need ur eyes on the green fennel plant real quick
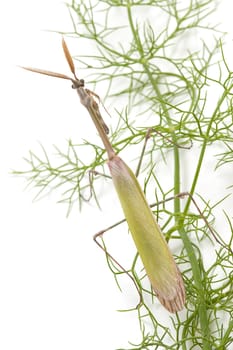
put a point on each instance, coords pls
(159, 68)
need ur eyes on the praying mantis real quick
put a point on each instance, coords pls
(159, 264)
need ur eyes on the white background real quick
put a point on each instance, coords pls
(55, 289)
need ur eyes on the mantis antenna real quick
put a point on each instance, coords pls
(77, 83)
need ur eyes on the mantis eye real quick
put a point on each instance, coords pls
(77, 84)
